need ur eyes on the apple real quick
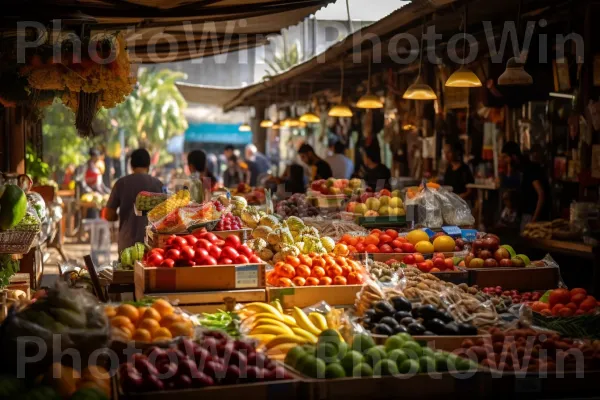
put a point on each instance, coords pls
(167, 263)
(373, 204)
(449, 263)
(460, 243)
(439, 263)
(360, 208)
(501, 254)
(351, 206)
(518, 262)
(384, 200)
(475, 263)
(490, 263)
(491, 243)
(477, 244)
(485, 254)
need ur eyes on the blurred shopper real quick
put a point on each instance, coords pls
(374, 172)
(458, 174)
(197, 163)
(122, 199)
(258, 164)
(341, 166)
(234, 174)
(319, 167)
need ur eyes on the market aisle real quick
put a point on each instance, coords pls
(74, 251)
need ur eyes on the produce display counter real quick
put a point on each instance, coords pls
(302, 297)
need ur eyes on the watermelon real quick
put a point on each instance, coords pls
(13, 206)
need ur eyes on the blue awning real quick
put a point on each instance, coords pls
(217, 133)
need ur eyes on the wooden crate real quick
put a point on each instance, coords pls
(522, 279)
(309, 295)
(446, 343)
(20, 282)
(286, 389)
(154, 239)
(199, 278)
(122, 277)
(211, 301)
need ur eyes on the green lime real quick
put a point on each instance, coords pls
(327, 352)
(413, 350)
(409, 367)
(351, 360)
(294, 355)
(405, 337)
(362, 370)
(427, 364)
(334, 371)
(329, 336)
(385, 368)
(342, 350)
(362, 342)
(441, 362)
(393, 342)
(374, 355)
(398, 356)
(428, 351)
(314, 368)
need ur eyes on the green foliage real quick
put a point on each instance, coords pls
(290, 56)
(37, 169)
(8, 267)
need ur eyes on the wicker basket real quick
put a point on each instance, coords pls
(16, 242)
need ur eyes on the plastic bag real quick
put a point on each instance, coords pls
(429, 211)
(146, 201)
(36, 201)
(192, 215)
(65, 317)
(455, 210)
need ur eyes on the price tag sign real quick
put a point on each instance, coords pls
(469, 235)
(452, 230)
(246, 276)
(429, 232)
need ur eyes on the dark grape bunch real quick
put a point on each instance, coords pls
(229, 222)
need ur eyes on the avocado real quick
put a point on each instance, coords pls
(389, 321)
(383, 307)
(407, 321)
(428, 311)
(435, 325)
(467, 329)
(400, 315)
(416, 329)
(400, 329)
(451, 329)
(401, 303)
(444, 316)
(383, 329)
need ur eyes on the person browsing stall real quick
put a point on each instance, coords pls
(319, 167)
(458, 174)
(374, 172)
(341, 166)
(122, 199)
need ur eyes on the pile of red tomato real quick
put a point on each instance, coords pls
(201, 248)
(316, 270)
(378, 241)
(565, 303)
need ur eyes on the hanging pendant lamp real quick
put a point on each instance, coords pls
(420, 90)
(369, 101)
(515, 74)
(464, 77)
(310, 117)
(341, 110)
(245, 128)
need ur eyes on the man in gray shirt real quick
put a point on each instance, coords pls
(122, 197)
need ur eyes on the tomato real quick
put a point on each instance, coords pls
(449, 263)
(287, 271)
(376, 232)
(191, 239)
(167, 263)
(439, 263)
(424, 267)
(372, 239)
(385, 238)
(254, 259)
(419, 258)
(233, 241)
(215, 252)
(392, 233)
(179, 242)
(173, 254)
(245, 250)
(272, 277)
(154, 260)
(202, 244)
(209, 261)
(339, 280)
(200, 255)
(187, 252)
(170, 240)
(396, 243)
(230, 252)
(334, 271)
(371, 248)
(157, 251)
(318, 272)
(360, 247)
(386, 248)
(211, 237)
(306, 260)
(408, 247)
(225, 261)
(242, 259)
(318, 262)
(409, 259)
(352, 242)
(219, 242)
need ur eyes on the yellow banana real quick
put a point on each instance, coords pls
(304, 323)
(281, 349)
(305, 334)
(268, 315)
(319, 320)
(262, 337)
(263, 308)
(281, 339)
(277, 304)
(289, 320)
(271, 330)
(271, 322)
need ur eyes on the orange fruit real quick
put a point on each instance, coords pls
(339, 280)
(110, 311)
(169, 320)
(151, 325)
(334, 271)
(341, 261)
(318, 262)
(284, 282)
(311, 281)
(161, 339)
(142, 335)
(303, 271)
(299, 281)
(372, 239)
(152, 313)
(163, 307)
(272, 277)
(293, 261)
(306, 260)
(325, 281)
(287, 271)
(120, 321)
(163, 332)
(318, 272)
(129, 311)
(180, 329)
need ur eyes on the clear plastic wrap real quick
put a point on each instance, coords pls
(429, 210)
(190, 216)
(36, 201)
(64, 319)
(455, 210)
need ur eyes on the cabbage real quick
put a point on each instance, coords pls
(290, 251)
(250, 217)
(286, 236)
(271, 221)
(295, 223)
(328, 243)
(261, 232)
(258, 245)
(274, 237)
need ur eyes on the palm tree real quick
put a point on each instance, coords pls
(290, 56)
(154, 111)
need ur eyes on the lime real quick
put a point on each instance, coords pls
(413, 350)
(374, 355)
(427, 364)
(385, 368)
(351, 360)
(393, 342)
(409, 367)
(294, 355)
(362, 342)
(362, 370)
(405, 337)
(334, 371)
(398, 356)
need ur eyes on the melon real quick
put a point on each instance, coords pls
(13, 206)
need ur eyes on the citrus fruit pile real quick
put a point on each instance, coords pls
(378, 241)
(156, 323)
(316, 270)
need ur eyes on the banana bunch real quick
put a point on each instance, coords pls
(277, 332)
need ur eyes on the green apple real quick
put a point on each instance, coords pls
(360, 208)
(372, 204)
(384, 200)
